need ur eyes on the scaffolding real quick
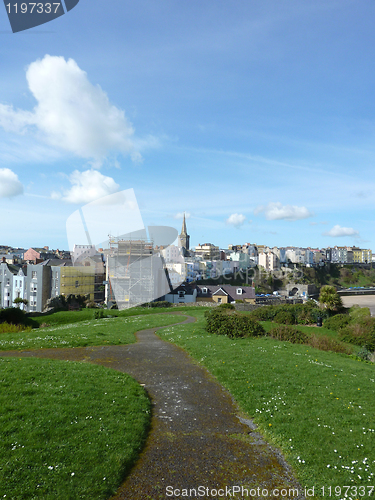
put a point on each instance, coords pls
(131, 272)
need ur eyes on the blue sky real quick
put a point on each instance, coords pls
(256, 118)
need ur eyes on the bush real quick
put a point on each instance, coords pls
(227, 306)
(364, 354)
(361, 333)
(324, 343)
(15, 316)
(289, 334)
(234, 325)
(265, 313)
(303, 314)
(336, 322)
(99, 314)
(159, 303)
(9, 328)
(306, 317)
(285, 318)
(244, 326)
(358, 313)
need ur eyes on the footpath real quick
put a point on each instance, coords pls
(198, 445)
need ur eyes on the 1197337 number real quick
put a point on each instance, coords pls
(29, 8)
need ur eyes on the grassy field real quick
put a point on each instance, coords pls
(68, 430)
(318, 407)
(106, 331)
(86, 314)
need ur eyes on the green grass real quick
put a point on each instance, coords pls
(313, 330)
(106, 331)
(68, 317)
(318, 407)
(309, 330)
(68, 430)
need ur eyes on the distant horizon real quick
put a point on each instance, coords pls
(61, 249)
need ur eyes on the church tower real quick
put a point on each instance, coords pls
(184, 239)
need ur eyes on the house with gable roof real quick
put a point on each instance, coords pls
(225, 294)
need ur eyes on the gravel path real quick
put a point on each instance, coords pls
(197, 439)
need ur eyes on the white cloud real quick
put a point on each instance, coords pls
(180, 215)
(9, 184)
(71, 113)
(87, 186)
(277, 211)
(337, 231)
(236, 220)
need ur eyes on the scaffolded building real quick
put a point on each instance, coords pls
(135, 273)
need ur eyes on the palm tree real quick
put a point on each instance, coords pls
(329, 298)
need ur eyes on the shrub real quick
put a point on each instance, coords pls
(160, 303)
(265, 313)
(234, 325)
(289, 334)
(324, 343)
(244, 326)
(361, 333)
(9, 328)
(303, 314)
(227, 306)
(358, 313)
(364, 354)
(306, 317)
(285, 318)
(99, 314)
(13, 315)
(336, 322)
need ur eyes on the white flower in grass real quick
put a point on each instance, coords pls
(72, 474)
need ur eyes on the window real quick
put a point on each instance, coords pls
(33, 275)
(204, 290)
(181, 294)
(239, 291)
(219, 300)
(77, 284)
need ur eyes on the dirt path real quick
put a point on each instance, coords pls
(197, 440)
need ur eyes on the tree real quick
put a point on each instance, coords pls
(329, 298)
(18, 301)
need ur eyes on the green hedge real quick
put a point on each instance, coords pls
(303, 314)
(289, 334)
(233, 325)
(15, 316)
(361, 333)
(337, 322)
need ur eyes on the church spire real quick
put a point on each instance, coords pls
(184, 238)
(183, 230)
